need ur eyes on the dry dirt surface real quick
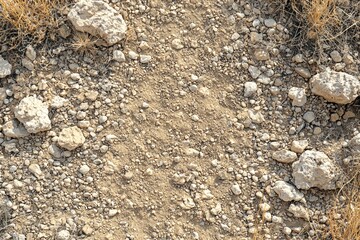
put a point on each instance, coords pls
(182, 130)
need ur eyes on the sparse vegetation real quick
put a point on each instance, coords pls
(344, 217)
(83, 43)
(323, 20)
(22, 18)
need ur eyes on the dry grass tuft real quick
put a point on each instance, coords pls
(344, 218)
(83, 43)
(22, 18)
(323, 21)
(4, 216)
(320, 16)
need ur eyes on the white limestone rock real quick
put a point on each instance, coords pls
(33, 113)
(315, 169)
(336, 87)
(98, 18)
(71, 138)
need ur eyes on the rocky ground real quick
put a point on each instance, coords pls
(193, 120)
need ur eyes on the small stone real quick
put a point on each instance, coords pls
(235, 36)
(270, 22)
(287, 192)
(287, 230)
(129, 175)
(84, 169)
(118, 56)
(250, 89)
(298, 96)
(256, 37)
(299, 146)
(35, 169)
(303, 72)
(64, 31)
(309, 116)
(254, 72)
(113, 212)
(334, 117)
(348, 114)
(27, 64)
(15, 129)
(236, 189)
(336, 57)
(5, 68)
(177, 44)
(87, 230)
(348, 59)
(256, 116)
(317, 130)
(261, 55)
(58, 102)
(30, 52)
(298, 58)
(264, 207)
(63, 235)
(3, 95)
(102, 119)
(71, 138)
(145, 58)
(133, 55)
(284, 156)
(299, 211)
(267, 216)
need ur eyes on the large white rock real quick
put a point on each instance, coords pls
(315, 169)
(71, 138)
(33, 113)
(337, 87)
(287, 192)
(5, 68)
(99, 19)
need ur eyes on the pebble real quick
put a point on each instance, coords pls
(63, 235)
(177, 44)
(87, 230)
(71, 138)
(102, 119)
(299, 146)
(236, 189)
(270, 22)
(113, 212)
(5, 68)
(261, 55)
(298, 96)
(303, 72)
(84, 169)
(35, 169)
(250, 89)
(133, 55)
(118, 56)
(254, 72)
(30, 52)
(284, 156)
(309, 116)
(335, 56)
(145, 58)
